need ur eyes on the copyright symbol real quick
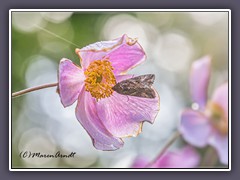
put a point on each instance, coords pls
(23, 154)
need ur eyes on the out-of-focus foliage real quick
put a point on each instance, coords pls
(172, 41)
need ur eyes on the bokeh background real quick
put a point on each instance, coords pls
(171, 40)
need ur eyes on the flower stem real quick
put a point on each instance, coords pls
(25, 91)
(175, 136)
(210, 158)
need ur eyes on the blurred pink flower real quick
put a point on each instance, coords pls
(106, 115)
(209, 123)
(186, 157)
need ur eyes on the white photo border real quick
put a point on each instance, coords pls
(120, 169)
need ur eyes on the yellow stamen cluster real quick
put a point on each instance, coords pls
(100, 79)
(218, 117)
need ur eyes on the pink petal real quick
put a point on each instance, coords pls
(120, 78)
(220, 96)
(87, 115)
(220, 143)
(195, 127)
(96, 51)
(71, 80)
(186, 157)
(140, 162)
(123, 53)
(199, 78)
(126, 56)
(123, 115)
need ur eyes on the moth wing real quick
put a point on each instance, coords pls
(143, 92)
(139, 81)
(142, 81)
(147, 79)
(138, 86)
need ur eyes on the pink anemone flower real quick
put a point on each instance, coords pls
(106, 115)
(207, 125)
(186, 157)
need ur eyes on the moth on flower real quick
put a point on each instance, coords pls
(107, 115)
(140, 86)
